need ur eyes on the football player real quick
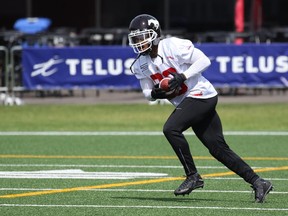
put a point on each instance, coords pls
(195, 101)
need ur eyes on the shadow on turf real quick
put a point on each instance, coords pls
(176, 199)
(182, 199)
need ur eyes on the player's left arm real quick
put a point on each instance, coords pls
(185, 53)
(199, 62)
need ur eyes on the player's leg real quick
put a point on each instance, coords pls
(209, 131)
(190, 111)
(173, 131)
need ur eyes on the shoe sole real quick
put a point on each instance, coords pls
(189, 191)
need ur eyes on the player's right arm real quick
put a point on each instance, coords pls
(147, 85)
(153, 92)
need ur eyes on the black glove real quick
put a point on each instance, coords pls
(176, 81)
(158, 93)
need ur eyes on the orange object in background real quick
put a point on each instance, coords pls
(239, 19)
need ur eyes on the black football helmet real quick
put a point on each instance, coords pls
(145, 31)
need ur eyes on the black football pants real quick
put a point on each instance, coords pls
(201, 115)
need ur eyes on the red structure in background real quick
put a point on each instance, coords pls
(256, 15)
(239, 20)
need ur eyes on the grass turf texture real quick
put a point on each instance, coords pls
(133, 117)
(60, 152)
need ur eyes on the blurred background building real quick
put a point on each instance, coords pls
(69, 23)
(192, 17)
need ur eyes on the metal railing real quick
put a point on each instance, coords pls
(4, 86)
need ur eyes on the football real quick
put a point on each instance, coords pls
(164, 84)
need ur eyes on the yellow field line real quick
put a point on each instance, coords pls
(86, 157)
(266, 158)
(123, 184)
(104, 186)
(127, 157)
(256, 170)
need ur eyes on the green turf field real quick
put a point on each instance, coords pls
(105, 160)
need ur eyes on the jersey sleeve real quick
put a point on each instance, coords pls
(145, 82)
(185, 53)
(183, 50)
(147, 86)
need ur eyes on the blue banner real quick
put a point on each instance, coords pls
(248, 65)
(79, 67)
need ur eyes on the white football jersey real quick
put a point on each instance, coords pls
(179, 56)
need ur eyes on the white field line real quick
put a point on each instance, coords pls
(237, 178)
(131, 133)
(139, 190)
(146, 207)
(114, 166)
(76, 174)
(109, 166)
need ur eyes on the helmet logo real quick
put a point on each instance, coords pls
(155, 22)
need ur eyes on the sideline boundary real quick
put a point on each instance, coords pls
(131, 133)
(146, 207)
(129, 157)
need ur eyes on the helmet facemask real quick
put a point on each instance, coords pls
(141, 41)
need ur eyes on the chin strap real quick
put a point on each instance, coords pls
(138, 56)
(156, 41)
